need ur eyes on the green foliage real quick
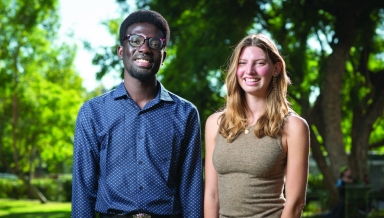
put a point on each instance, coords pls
(315, 182)
(377, 135)
(54, 189)
(40, 92)
(317, 194)
(12, 189)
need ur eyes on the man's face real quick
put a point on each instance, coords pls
(142, 62)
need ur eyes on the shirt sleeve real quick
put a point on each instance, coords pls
(191, 185)
(85, 166)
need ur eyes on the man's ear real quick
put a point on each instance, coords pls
(164, 56)
(120, 50)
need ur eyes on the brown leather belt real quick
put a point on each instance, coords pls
(140, 215)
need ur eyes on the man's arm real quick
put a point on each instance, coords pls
(85, 166)
(191, 184)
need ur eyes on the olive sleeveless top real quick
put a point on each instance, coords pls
(251, 174)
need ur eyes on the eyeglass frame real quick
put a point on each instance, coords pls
(145, 39)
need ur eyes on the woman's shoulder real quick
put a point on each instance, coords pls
(295, 133)
(293, 122)
(292, 116)
(212, 123)
(214, 118)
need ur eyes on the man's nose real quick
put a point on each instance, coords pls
(145, 46)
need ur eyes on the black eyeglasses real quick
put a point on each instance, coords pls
(138, 40)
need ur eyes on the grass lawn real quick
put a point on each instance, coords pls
(33, 209)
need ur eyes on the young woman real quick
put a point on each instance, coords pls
(257, 147)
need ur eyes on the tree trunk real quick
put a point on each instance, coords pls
(359, 155)
(346, 29)
(15, 119)
(317, 154)
(331, 104)
(362, 129)
(315, 118)
(30, 187)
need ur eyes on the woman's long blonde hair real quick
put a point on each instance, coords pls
(233, 121)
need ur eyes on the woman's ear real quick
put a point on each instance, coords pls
(277, 68)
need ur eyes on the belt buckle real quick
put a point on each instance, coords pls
(141, 215)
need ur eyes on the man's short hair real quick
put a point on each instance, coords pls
(145, 16)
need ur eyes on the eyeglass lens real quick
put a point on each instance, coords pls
(138, 40)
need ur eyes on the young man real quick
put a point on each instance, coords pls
(137, 150)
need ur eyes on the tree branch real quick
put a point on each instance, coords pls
(376, 144)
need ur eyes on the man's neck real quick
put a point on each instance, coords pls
(141, 92)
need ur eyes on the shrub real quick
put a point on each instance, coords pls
(54, 189)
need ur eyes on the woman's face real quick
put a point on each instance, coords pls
(255, 71)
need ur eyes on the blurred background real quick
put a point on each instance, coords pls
(57, 54)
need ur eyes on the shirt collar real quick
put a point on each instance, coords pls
(164, 95)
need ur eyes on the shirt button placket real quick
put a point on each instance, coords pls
(140, 156)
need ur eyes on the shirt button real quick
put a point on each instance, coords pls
(141, 188)
(140, 136)
(140, 162)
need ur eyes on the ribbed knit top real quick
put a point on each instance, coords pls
(251, 175)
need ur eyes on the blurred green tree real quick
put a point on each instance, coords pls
(40, 93)
(334, 55)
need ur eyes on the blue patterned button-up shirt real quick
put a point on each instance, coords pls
(132, 160)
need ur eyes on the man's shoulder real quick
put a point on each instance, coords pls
(102, 100)
(182, 101)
